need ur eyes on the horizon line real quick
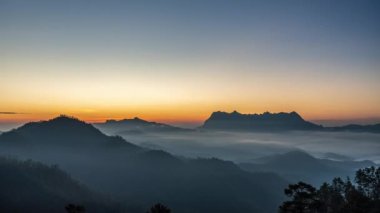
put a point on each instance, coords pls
(185, 123)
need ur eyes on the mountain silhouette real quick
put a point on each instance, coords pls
(61, 131)
(136, 176)
(271, 122)
(374, 128)
(135, 126)
(258, 122)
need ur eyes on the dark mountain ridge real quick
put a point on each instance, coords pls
(271, 122)
(234, 121)
(135, 126)
(258, 122)
(373, 128)
(62, 131)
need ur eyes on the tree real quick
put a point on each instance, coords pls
(159, 208)
(304, 199)
(368, 180)
(72, 208)
(338, 197)
(331, 196)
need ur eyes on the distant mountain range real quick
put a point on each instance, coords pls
(374, 128)
(299, 165)
(135, 126)
(234, 121)
(139, 177)
(270, 122)
(258, 122)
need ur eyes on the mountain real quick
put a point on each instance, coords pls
(139, 177)
(374, 128)
(337, 157)
(62, 131)
(271, 122)
(30, 186)
(298, 165)
(258, 122)
(135, 126)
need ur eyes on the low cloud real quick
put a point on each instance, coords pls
(10, 113)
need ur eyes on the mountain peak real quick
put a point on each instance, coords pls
(66, 119)
(126, 120)
(61, 123)
(135, 125)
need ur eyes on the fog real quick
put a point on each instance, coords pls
(244, 146)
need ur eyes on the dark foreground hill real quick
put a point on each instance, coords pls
(139, 177)
(28, 186)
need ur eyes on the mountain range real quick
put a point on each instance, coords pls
(234, 121)
(374, 128)
(139, 177)
(62, 131)
(135, 126)
(258, 122)
(299, 165)
(271, 122)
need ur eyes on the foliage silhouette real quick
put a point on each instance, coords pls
(304, 198)
(159, 208)
(72, 208)
(338, 197)
(368, 180)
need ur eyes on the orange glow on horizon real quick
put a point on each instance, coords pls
(170, 116)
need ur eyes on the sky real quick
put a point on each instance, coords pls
(178, 61)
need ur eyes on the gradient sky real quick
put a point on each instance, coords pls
(177, 61)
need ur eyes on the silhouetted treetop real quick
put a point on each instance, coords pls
(72, 208)
(338, 197)
(159, 208)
